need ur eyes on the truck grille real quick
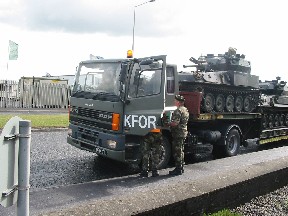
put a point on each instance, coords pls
(91, 118)
(88, 136)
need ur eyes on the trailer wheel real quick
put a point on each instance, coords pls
(231, 145)
(165, 154)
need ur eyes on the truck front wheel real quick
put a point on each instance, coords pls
(231, 145)
(165, 154)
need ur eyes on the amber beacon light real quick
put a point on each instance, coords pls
(130, 54)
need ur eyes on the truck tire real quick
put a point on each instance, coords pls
(165, 155)
(231, 146)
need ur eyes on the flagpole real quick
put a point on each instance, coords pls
(8, 55)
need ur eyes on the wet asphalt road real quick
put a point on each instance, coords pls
(56, 163)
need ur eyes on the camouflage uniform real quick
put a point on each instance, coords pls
(179, 132)
(151, 147)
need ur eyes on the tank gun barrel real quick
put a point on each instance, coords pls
(186, 66)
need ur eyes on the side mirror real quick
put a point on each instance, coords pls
(123, 72)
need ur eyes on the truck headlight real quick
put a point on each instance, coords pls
(69, 132)
(111, 144)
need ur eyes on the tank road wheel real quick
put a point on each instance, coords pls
(282, 120)
(247, 103)
(220, 103)
(264, 121)
(231, 145)
(286, 120)
(238, 103)
(165, 154)
(209, 102)
(229, 103)
(270, 121)
(277, 120)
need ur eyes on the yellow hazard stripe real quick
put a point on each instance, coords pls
(274, 139)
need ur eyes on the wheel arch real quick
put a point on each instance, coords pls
(225, 131)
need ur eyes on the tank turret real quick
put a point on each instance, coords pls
(230, 61)
(274, 92)
(225, 81)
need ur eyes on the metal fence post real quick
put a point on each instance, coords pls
(24, 168)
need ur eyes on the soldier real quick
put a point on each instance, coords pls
(178, 126)
(232, 51)
(151, 148)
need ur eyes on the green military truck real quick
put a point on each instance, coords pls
(115, 102)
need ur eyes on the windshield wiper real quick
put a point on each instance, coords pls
(106, 96)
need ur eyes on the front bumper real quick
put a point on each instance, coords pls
(118, 155)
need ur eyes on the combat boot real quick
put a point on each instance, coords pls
(144, 173)
(155, 173)
(176, 171)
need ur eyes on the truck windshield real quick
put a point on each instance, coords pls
(145, 80)
(99, 77)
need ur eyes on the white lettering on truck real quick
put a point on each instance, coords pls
(141, 121)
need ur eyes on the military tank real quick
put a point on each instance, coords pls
(225, 82)
(274, 103)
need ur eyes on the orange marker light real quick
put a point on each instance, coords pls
(130, 54)
(115, 121)
(155, 130)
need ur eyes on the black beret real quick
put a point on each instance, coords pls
(179, 98)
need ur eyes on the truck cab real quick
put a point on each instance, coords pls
(115, 102)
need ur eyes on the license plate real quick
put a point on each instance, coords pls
(100, 151)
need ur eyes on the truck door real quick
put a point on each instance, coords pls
(145, 95)
(171, 88)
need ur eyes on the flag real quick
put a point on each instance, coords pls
(13, 50)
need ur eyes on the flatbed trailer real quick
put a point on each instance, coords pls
(226, 132)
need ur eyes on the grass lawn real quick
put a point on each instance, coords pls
(40, 121)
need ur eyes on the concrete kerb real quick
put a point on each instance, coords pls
(190, 196)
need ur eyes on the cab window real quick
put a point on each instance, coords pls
(170, 80)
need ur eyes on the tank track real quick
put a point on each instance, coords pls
(273, 117)
(218, 98)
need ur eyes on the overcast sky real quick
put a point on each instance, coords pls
(55, 35)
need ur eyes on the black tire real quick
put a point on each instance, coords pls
(231, 145)
(165, 155)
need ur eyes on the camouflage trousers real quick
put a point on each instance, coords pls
(178, 150)
(151, 149)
